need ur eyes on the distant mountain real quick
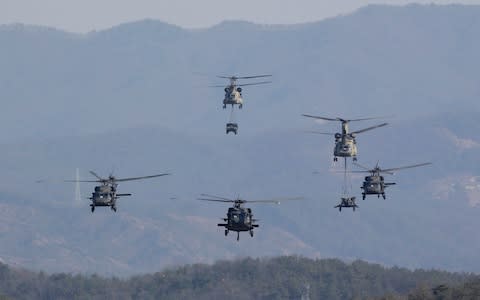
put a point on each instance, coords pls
(134, 100)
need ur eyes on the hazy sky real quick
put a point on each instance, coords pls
(87, 15)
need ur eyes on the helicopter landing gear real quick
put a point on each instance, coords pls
(240, 106)
(354, 208)
(339, 208)
(92, 207)
(378, 196)
(224, 106)
(354, 158)
(238, 236)
(114, 208)
(384, 197)
(226, 232)
(363, 196)
(335, 158)
(251, 233)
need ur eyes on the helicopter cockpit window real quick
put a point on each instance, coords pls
(236, 218)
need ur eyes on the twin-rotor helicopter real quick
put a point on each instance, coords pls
(233, 96)
(233, 91)
(345, 142)
(106, 193)
(240, 218)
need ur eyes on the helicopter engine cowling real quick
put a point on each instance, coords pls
(338, 136)
(226, 90)
(239, 89)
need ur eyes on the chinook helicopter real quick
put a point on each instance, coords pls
(233, 91)
(240, 218)
(345, 143)
(375, 183)
(106, 193)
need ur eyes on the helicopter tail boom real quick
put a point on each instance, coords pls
(123, 195)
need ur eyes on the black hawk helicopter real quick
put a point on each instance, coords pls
(233, 91)
(345, 143)
(240, 218)
(375, 183)
(106, 193)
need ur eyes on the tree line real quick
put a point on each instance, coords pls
(287, 277)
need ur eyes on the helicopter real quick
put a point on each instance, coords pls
(375, 184)
(240, 218)
(347, 202)
(106, 193)
(345, 143)
(233, 91)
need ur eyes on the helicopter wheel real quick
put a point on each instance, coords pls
(251, 233)
(378, 195)
(335, 159)
(354, 208)
(224, 106)
(363, 196)
(340, 208)
(384, 197)
(114, 208)
(354, 158)
(238, 236)
(93, 207)
(226, 232)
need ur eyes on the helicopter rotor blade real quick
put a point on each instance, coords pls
(318, 117)
(219, 86)
(215, 200)
(274, 200)
(369, 128)
(254, 83)
(254, 76)
(96, 175)
(342, 119)
(141, 177)
(244, 77)
(216, 197)
(318, 132)
(84, 181)
(406, 167)
(362, 167)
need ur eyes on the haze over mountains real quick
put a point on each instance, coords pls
(135, 99)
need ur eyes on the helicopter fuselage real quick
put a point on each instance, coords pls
(374, 185)
(239, 219)
(345, 147)
(105, 195)
(233, 96)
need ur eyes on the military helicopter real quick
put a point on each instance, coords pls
(375, 184)
(240, 218)
(347, 202)
(233, 91)
(106, 193)
(345, 143)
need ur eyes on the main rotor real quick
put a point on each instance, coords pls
(112, 180)
(233, 80)
(238, 202)
(376, 171)
(345, 130)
